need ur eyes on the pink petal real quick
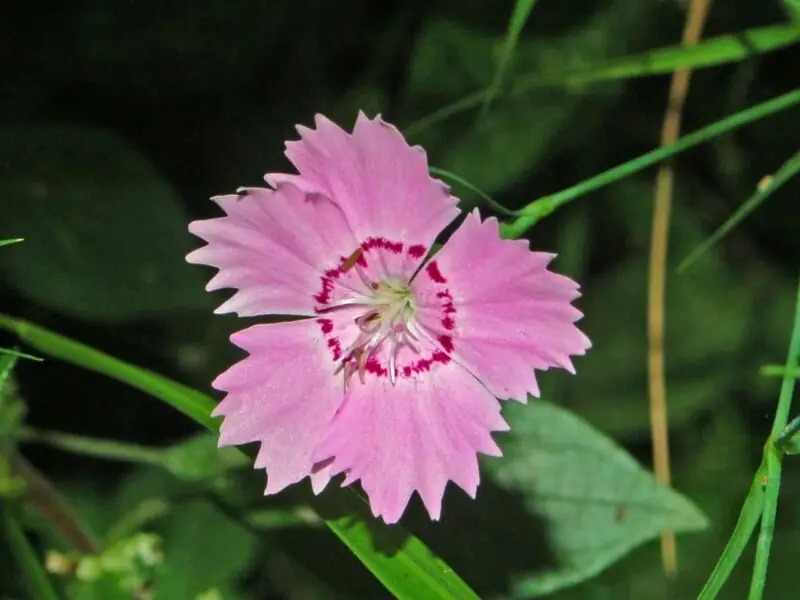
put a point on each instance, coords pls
(273, 246)
(283, 395)
(381, 183)
(416, 435)
(510, 315)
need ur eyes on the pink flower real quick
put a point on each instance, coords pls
(392, 373)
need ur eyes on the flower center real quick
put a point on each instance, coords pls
(371, 287)
(388, 319)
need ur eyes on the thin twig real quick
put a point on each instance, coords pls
(48, 502)
(695, 19)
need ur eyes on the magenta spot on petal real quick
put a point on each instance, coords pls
(447, 342)
(433, 272)
(335, 347)
(383, 244)
(440, 357)
(417, 251)
(326, 325)
(407, 371)
(374, 367)
(324, 296)
(448, 323)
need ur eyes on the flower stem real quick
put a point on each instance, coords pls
(773, 457)
(542, 207)
(97, 448)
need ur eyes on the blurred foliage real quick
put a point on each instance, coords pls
(117, 120)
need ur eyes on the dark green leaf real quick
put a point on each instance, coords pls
(105, 234)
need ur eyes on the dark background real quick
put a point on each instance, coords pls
(137, 112)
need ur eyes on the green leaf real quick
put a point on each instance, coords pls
(106, 235)
(199, 458)
(598, 503)
(202, 549)
(10, 241)
(396, 558)
(745, 526)
(38, 582)
(519, 16)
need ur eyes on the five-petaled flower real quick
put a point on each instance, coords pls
(391, 376)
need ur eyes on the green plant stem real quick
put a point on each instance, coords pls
(773, 457)
(745, 526)
(97, 448)
(789, 169)
(38, 582)
(777, 371)
(711, 52)
(768, 512)
(542, 207)
(499, 208)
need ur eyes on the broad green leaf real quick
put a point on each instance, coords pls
(202, 549)
(597, 502)
(28, 561)
(106, 236)
(400, 561)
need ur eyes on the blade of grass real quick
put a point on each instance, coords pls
(190, 402)
(773, 457)
(38, 582)
(396, 558)
(788, 170)
(745, 526)
(499, 208)
(519, 16)
(712, 52)
(16, 354)
(10, 241)
(542, 207)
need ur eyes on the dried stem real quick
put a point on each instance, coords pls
(46, 500)
(670, 130)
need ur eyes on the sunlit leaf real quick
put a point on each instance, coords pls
(597, 502)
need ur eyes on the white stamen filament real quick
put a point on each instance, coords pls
(388, 318)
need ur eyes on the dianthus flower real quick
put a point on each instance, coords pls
(392, 372)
